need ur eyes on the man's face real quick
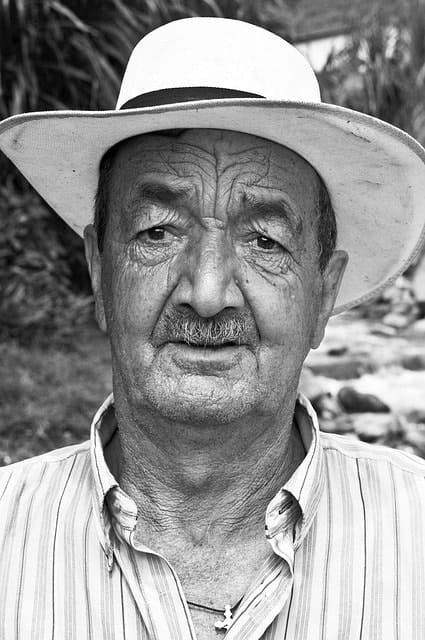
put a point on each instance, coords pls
(209, 283)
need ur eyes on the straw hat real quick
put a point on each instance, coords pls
(226, 74)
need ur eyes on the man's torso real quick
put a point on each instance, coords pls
(358, 572)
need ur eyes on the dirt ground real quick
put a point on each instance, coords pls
(368, 357)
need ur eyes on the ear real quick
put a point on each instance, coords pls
(331, 281)
(94, 262)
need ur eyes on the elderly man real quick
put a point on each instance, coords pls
(207, 504)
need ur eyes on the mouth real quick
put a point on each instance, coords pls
(205, 357)
(196, 342)
(211, 345)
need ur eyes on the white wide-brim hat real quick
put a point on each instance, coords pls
(216, 73)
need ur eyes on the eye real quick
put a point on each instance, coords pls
(263, 242)
(155, 234)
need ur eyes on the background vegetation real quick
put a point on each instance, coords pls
(381, 71)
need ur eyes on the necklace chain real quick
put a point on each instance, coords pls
(205, 608)
(227, 612)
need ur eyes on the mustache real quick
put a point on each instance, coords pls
(236, 327)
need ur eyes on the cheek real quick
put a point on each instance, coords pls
(137, 295)
(284, 309)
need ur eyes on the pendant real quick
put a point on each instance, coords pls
(224, 625)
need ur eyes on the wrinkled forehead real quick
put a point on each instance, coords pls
(216, 172)
(210, 163)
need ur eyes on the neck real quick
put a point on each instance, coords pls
(204, 480)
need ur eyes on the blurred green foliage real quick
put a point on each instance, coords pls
(58, 54)
(39, 298)
(71, 53)
(381, 70)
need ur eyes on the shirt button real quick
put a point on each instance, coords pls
(116, 507)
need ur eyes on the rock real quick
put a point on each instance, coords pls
(403, 308)
(373, 427)
(414, 436)
(326, 405)
(5, 458)
(353, 401)
(328, 426)
(416, 416)
(418, 327)
(413, 361)
(407, 448)
(383, 330)
(337, 351)
(398, 320)
(353, 435)
(312, 385)
(421, 308)
(418, 280)
(340, 368)
(342, 424)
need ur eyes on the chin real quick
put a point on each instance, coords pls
(194, 402)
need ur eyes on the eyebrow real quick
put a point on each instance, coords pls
(159, 192)
(270, 208)
(251, 205)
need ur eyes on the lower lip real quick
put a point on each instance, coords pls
(206, 358)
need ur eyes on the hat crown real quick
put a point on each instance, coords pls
(219, 53)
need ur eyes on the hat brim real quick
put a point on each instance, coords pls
(374, 172)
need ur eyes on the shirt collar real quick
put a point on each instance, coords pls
(294, 505)
(102, 430)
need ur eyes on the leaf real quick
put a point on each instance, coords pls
(70, 15)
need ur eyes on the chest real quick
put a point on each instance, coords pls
(346, 581)
(95, 605)
(204, 625)
(216, 577)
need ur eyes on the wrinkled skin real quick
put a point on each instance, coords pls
(237, 235)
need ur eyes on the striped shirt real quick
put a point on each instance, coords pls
(347, 532)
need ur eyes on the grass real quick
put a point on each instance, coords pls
(48, 395)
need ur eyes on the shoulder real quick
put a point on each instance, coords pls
(375, 477)
(44, 473)
(349, 449)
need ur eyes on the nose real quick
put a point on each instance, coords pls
(208, 281)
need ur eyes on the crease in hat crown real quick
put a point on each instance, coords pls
(214, 52)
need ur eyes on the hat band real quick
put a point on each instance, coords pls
(184, 94)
